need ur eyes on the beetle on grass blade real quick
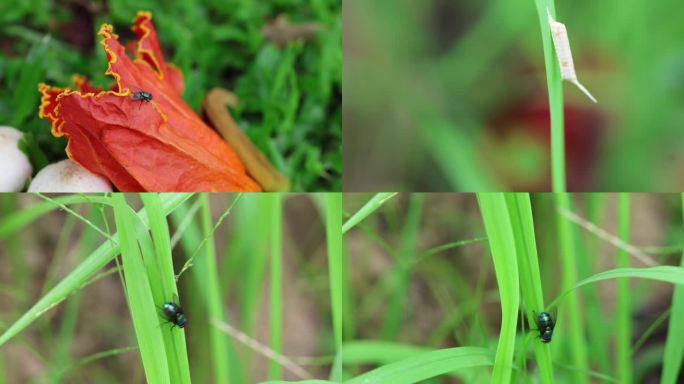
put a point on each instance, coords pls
(174, 314)
(545, 325)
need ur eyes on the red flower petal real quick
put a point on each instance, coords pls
(149, 51)
(83, 85)
(154, 145)
(48, 106)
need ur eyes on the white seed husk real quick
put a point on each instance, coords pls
(559, 34)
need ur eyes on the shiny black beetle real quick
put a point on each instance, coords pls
(174, 314)
(545, 325)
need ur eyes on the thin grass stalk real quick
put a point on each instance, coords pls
(674, 344)
(62, 356)
(502, 246)
(17, 220)
(588, 263)
(219, 341)
(402, 273)
(554, 83)
(333, 230)
(663, 273)
(59, 253)
(573, 312)
(191, 238)
(56, 262)
(245, 260)
(522, 222)
(3, 380)
(276, 296)
(623, 309)
(252, 224)
(15, 250)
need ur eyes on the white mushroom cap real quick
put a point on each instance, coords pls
(15, 168)
(67, 176)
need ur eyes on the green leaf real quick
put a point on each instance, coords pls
(425, 366)
(501, 242)
(333, 230)
(379, 352)
(140, 301)
(374, 203)
(522, 222)
(665, 273)
(674, 344)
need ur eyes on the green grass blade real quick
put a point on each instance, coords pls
(143, 310)
(379, 352)
(502, 245)
(219, 341)
(674, 344)
(20, 218)
(520, 210)
(62, 356)
(374, 203)
(554, 84)
(664, 273)
(189, 241)
(575, 312)
(83, 272)
(426, 365)
(402, 273)
(276, 305)
(453, 147)
(650, 330)
(98, 356)
(162, 277)
(18, 262)
(333, 230)
(623, 308)
(162, 244)
(587, 264)
(250, 232)
(297, 382)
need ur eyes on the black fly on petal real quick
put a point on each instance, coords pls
(142, 96)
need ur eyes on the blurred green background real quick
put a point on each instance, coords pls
(290, 97)
(451, 95)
